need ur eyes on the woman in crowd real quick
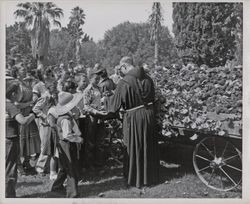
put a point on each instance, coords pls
(39, 87)
(41, 110)
(29, 135)
(14, 117)
(54, 139)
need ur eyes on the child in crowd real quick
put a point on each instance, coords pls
(69, 136)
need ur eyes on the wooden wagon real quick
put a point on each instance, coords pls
(217, 158)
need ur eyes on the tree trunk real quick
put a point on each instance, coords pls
(156, 53)
(78, 52)
(40, 41)
(40, 63)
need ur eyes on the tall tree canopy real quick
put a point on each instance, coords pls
(18, 41)
(134, 39)
(61, 46)
(77, 20)
(38, 16)
(211, 33)
(155, 20)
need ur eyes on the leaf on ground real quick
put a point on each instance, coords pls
(194, 137)
(101, 195)
(205, 193)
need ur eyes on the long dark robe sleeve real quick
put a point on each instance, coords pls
(115, 101)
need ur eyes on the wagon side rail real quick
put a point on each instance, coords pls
(231, 127)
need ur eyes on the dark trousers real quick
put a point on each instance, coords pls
(11, 160)
(125, 163)
(83, 128)
(69, 169)
(94, 139)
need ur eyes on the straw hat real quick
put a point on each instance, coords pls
(66, 102)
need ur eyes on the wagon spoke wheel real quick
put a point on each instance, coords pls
(217, 163)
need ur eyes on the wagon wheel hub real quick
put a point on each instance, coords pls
(216, 163)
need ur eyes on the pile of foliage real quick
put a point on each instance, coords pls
(188, 94)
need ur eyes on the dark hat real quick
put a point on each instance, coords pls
(97, 69)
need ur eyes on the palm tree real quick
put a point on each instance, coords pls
(75, 29)
(155, 20)
(38, 17)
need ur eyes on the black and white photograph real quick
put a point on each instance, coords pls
(123, 99)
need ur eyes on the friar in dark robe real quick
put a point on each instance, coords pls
(135, 94)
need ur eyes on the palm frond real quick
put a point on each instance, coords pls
(59, 12)
(26, 5)
(20, 13)
(29, 20)
(49, 5)
(57, 23)
(54, 14)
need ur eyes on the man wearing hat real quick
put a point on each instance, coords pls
(107, 86)
(135, 94)
(69, 135)
(95, 131)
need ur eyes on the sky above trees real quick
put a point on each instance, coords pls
(102, 15)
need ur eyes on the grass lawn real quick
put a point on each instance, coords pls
(178, 180)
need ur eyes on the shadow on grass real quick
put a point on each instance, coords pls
(30, 183)
(36, 195)
(93, 190)
(178, 159)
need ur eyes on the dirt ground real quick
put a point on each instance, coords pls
(178, 180)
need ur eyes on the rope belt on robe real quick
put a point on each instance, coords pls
(139, 107)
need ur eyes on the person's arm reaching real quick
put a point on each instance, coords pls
(24, 120)
(16, 114)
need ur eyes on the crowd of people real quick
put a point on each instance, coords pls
(55, 122)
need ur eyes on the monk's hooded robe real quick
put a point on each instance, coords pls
(141, 163)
